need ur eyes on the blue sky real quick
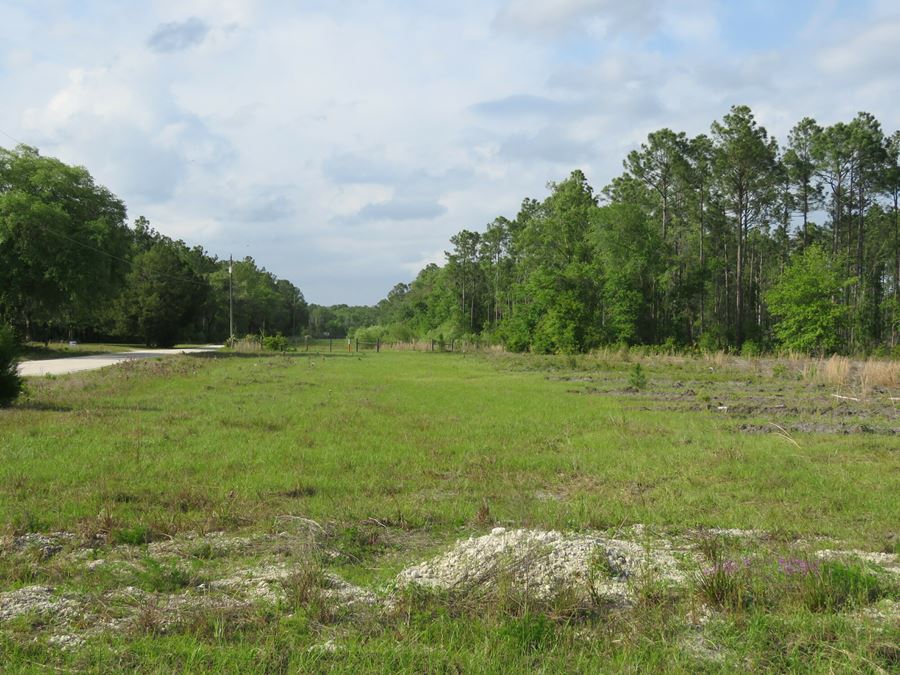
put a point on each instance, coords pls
(341, 144)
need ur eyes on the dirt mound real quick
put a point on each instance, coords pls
(544, 564)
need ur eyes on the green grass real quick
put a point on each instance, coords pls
(415, 439)
(397, 455)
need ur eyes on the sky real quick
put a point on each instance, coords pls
(341, 144)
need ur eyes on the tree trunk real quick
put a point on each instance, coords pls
(895, 318)
(805, 214)
(702, 269)
(739, 276)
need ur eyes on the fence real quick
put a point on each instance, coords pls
(353, 345)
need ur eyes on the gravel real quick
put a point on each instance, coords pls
(545, 563)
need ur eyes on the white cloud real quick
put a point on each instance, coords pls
(343, 144)
(564, 16)
(175, 36)
(872, 51)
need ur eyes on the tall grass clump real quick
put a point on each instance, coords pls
(787, 583)
(835, 585)
(248, 343)
(10, 382)
(876, 373)
(835, 371)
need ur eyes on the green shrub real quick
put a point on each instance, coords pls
(275, 343)
(808, 318)
(669, 347)
(780, 371)
(10, 382)
(751, 349)
(713, 340)
(637, 379)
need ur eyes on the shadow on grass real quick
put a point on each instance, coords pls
(130, 408)
(222, 354)
(40, 353)
(43, 406)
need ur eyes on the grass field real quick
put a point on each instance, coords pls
(152, 482)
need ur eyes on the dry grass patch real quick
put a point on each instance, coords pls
(875, 373)
(835, 371)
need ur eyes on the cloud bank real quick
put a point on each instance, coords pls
(342, 144)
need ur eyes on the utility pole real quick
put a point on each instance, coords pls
(231, 299)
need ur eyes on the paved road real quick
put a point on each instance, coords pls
(76, 364)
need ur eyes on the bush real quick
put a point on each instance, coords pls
(751, 349)
(10, 382)
(713, 340)
(669, 347)
(637, 379)
(275, 343)
(370, 334)
(807, 318)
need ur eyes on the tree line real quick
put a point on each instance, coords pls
(722, 240)
(71, 266)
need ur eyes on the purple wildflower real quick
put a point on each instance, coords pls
(798, 566)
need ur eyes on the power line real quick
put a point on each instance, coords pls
(159, 275)
(13, 138)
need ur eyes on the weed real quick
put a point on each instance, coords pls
(483, 515)
(149, 620)
(206, 551)
(650, 591)
(531, 632)
(20, 569)
(727, 584)
(164, 577)
(304, 586)
(134, 536)
(599, 569)
(834, 585)
(305, 592)
(359, 542)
